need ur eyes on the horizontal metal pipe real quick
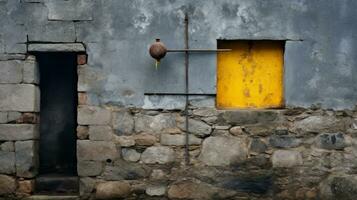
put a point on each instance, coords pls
(198, 50)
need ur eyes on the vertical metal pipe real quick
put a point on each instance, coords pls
(187, 153)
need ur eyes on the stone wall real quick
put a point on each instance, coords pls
(19, 129)
(293, 153)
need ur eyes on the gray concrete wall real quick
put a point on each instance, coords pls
(320, 54)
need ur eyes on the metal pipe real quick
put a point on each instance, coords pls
(198, 50)
(187, 153)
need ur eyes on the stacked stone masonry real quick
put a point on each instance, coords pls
(19, 125)
(293, 153)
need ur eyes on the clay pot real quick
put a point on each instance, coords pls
(157, 50)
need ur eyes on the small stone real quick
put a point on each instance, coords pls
(244, 117)
(81, 59)
(178, 140)
(158, 174)
(209, 120)
(101, 133)
(331, 141)
(82, 132)
(286, 158)
(236, 130)
(196, 127)
(123, 123)
(96, 150)
(258, 146)
(26, 187)
(89, 168)
(217, 127)
(82, 98)
(28, 118)
(112, 190)
(7, 185)
(156, 190)
(318, 123)
(130, 155)
(338, 186)
(284, 141)
(91, 115)
(125, 141)
(7, 162)
(145, 139)
(86, 187)
(160, 155)
(221, 151)
(7, 146)
(13, 116)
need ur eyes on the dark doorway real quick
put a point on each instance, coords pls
(58, 120)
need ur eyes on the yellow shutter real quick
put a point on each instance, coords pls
(251, 75)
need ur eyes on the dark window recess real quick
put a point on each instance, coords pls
(58, 120)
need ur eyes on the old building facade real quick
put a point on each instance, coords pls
(85, 113)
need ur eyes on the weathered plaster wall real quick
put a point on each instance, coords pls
(319, 56)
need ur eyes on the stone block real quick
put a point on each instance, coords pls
(7, 146)
(26, 187)
(60, 47)
(7, 185)
(192, 189)
(258, 146)
(12, 56)
(156, 190)
(89, 168)
(52, 31)
(82, 132)
(14, 132)
(96, 150)
(125, 141)
(11, 71)
(284, 141)
(86, 187)
(27, 159)
(3, 117)
(154, 124)
(90, 78)
(338, 186)
(130, 154)
(221, 151)
(178, 139)
(123, 122)
(145, 139)
(20, 97)
(196, 127)
(31, 71)
(82, 98)
(112, 190)
(331, 141)
(81, 59)
(244, 117)
(318, 124)
(71, 10)
(286, 158)
(158, 154)
(7, 162)
(101, 133)
(13, 116)
(91, 115)
(236, 130)
(123, 170)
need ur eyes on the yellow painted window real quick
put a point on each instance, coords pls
(251, 75)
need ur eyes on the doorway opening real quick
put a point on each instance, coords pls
(58, 122)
